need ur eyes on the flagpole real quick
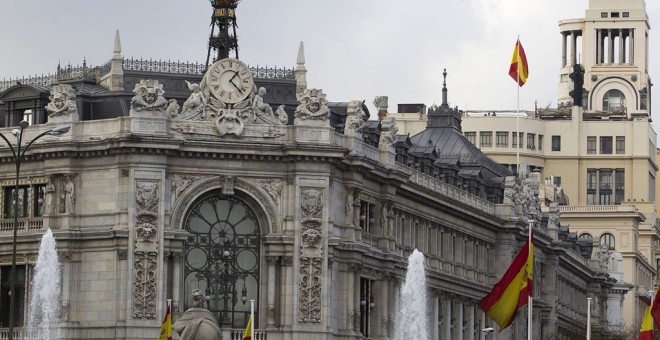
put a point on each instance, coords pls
(529, 298)
(252, 318)
(588, 318)
(518, 107)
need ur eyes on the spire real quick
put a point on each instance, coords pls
(301, 55)
(117, 47)
(300, 72)
(444, 88)
(224, 41)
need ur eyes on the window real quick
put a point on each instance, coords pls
(603, 14)
(651, 187)
(39, 199)
(606, 145)
(22, 206)
(502, 139)
(626, 14)
(556, 180)
(19, 290)
(605, 186)
(366, 216)
(517, 137)
(540, 142)
(366, 305)
(564, 78)
(585, 235)
(531, 139)
(28, 116)
(471, 137)
(591, 145)
(608, 239)
(486, 139)
(556, 143)
(614, 14)
(620, 145)
(614, 100)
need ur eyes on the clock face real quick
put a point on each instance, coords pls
(230, 80)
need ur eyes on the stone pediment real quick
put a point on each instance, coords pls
(23, 91)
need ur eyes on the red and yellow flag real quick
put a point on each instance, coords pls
(655, 308)
(646, 331)
(513, 289)
(519, 69)
(248, 330)
(166, 329)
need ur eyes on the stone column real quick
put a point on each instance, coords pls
(459, 320)
(610, 47)
(622, 47)
(563, 49)
(435, 316)
(599, 46)
(271, 261)
(383, 308)
(631, 45)
(446, 303)
(470, 321)
(176, 284)
(573, 52)
(350, 301)
(482, 325)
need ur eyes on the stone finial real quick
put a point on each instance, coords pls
(355, 118)
(381, 105)
(444, 88)
(117, 48)
(300, 72)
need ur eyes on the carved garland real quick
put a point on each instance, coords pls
(311, 251)
(145, 260)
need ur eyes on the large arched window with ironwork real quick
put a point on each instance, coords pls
(222, 257)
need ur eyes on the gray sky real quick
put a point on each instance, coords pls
(354, 49)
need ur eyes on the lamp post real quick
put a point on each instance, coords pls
(18, 155)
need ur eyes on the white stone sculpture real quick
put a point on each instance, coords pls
(149, 97)
(62, 101)
(313, 106)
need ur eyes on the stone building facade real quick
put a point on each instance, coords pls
(249, 185)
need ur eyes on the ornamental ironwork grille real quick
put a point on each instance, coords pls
(222, 257)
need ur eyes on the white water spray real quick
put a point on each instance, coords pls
(45, 291)
(411, 319)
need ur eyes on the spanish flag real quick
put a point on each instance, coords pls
(519, 69)
(248, 330)
(655, 309)
(513, 289)
(646, 332)
(166, 329)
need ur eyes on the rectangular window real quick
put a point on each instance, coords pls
(591, 186)
(556, 180)
(614, 14)
(366, 216)
(471, 137)
(651, 187)
(564, 78)
(19, 290)
(556, 143)
(485, 139)
(606, 145)
(619, 185)
(603, 14)
(591, 145)
(22, 202)
(605, 187)
(620, 145)
(626, 14)
(517, 137)
(502, 139)
(540, 142)
(531, 139)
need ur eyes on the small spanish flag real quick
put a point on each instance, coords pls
(519, 70)
(646, 331)
(655, 308)
(513, 289)
(166, 329)
(248, 330)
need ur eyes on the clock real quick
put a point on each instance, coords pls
(230, 80)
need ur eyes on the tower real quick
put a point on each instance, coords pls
(611, 45)
(224, 20)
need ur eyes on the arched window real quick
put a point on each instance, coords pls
(608, 239)
(614, 100)
(222, 257)
(585, 235)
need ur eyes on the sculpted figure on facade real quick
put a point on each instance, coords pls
(529, 199)
(355, 119)
(313, 106)
(148, 96)
(69, 195)
(197, 322)
(388, 133)
(172, 109)
(511, 194)
(194, 105)
(62, 101)
(49, 197)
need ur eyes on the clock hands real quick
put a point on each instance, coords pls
(232, 82)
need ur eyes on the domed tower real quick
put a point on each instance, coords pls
(611, 45)
(222, 42)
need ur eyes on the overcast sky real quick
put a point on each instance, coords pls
(354, 49)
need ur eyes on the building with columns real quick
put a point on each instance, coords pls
(251, 184)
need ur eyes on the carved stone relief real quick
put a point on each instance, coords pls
(311, 251)
(145, 265)
(62, 101)
(355, 119)
(273, 187)
(179, 184)
(148, 97)
(388, 133)
(313, 106)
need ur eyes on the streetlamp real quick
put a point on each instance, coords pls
(18, 155)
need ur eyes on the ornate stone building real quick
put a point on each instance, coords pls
(247, 184)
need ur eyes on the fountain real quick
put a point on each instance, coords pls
(45, 291)
(411, 319)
